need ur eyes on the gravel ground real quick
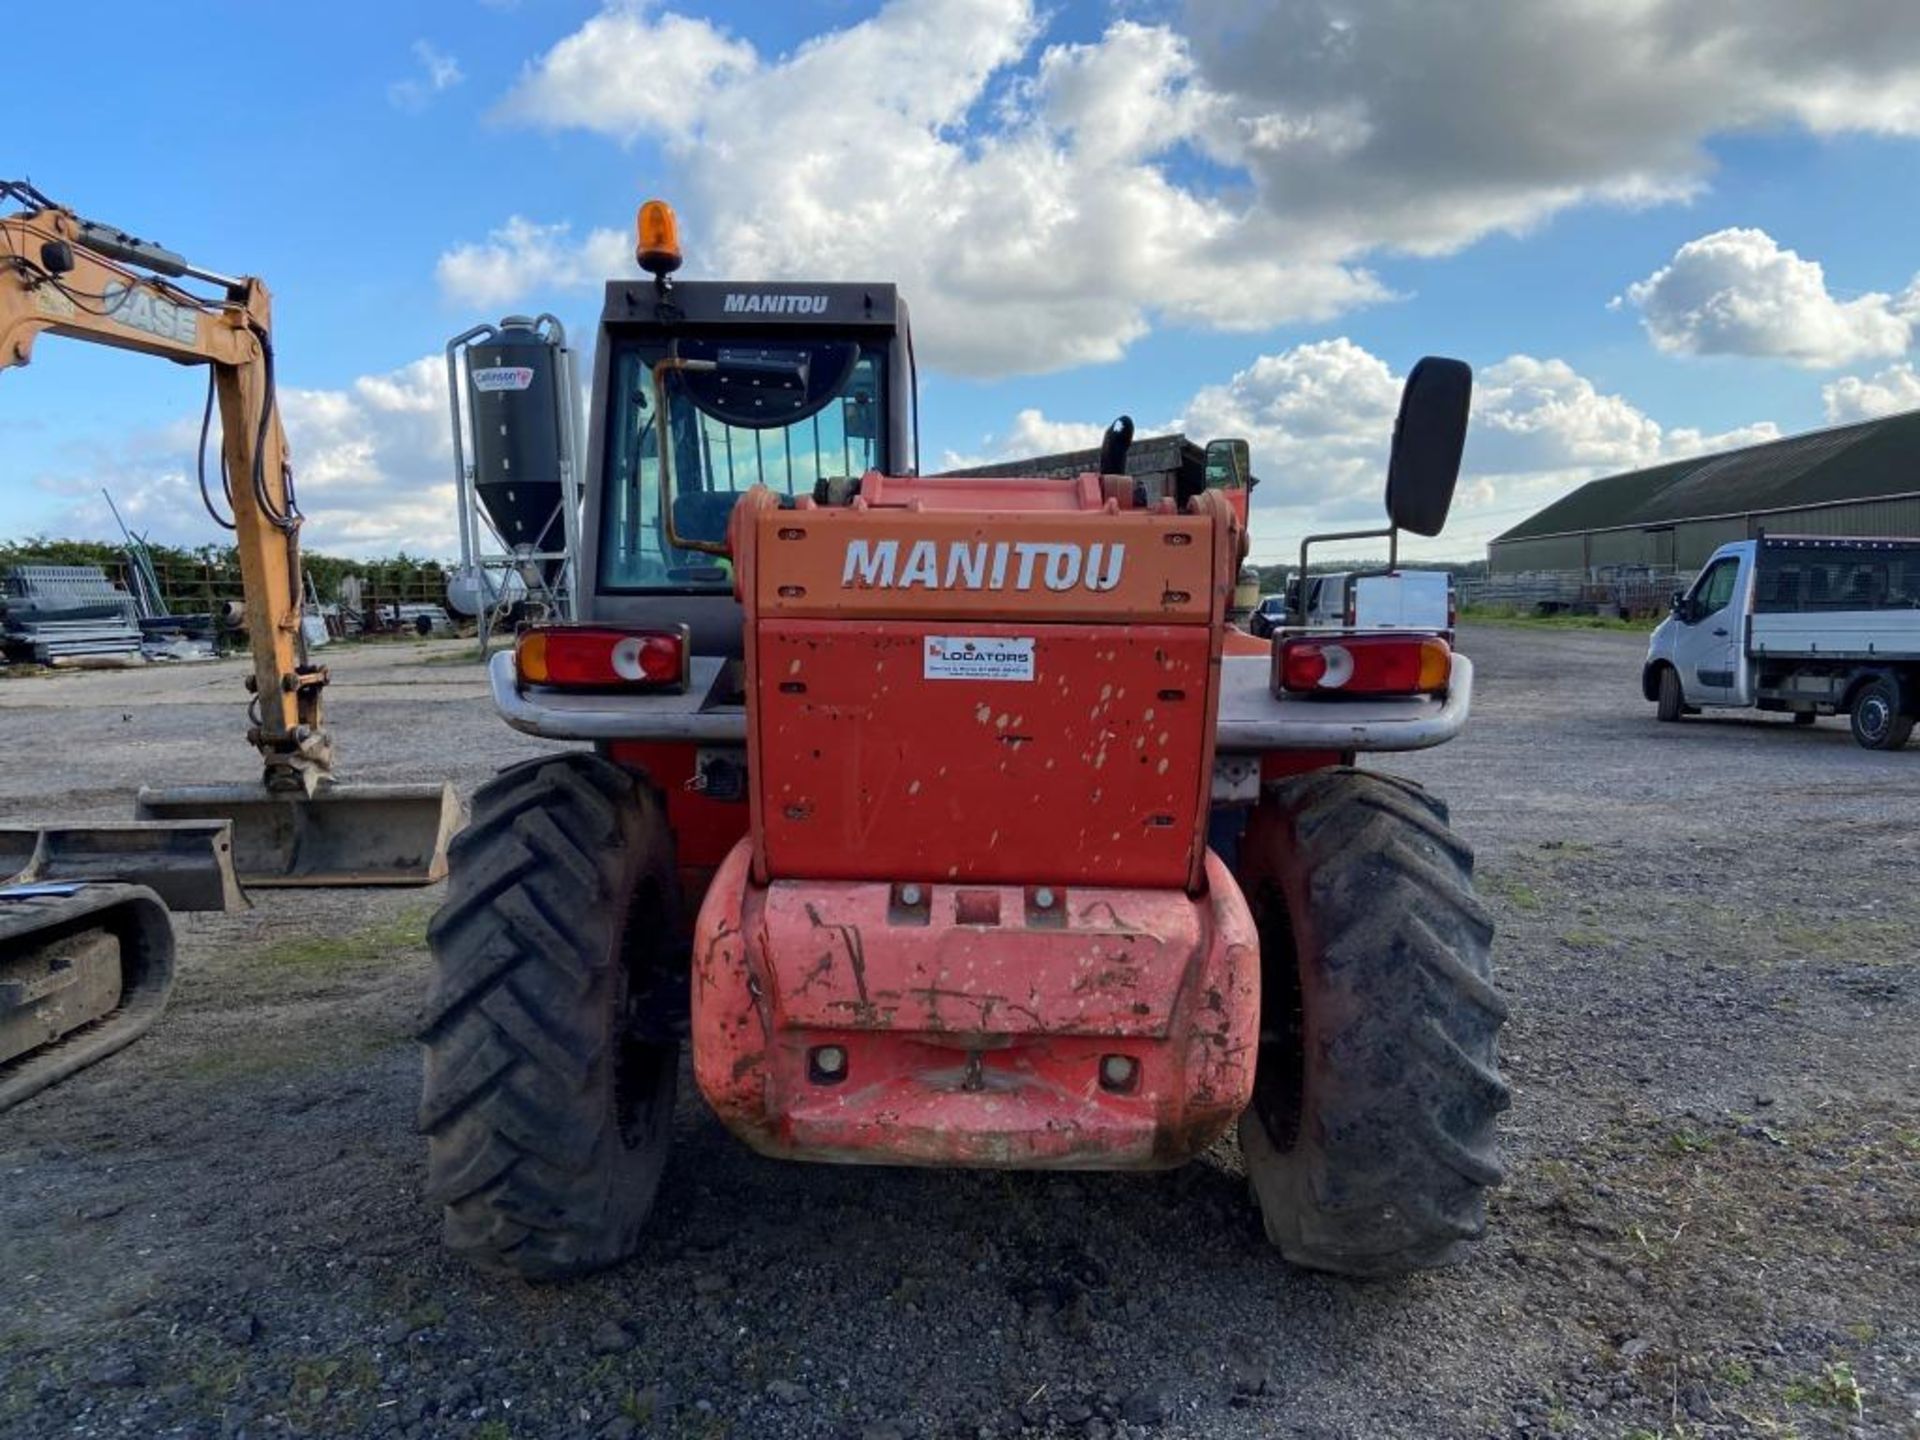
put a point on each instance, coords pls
(1711, 1225)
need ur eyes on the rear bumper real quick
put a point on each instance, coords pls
(978, 1043)
(1253, 720)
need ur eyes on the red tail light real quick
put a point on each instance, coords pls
(1362, 665)
(587, 657)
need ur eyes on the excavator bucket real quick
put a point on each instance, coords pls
(85, 968)
(342, 835)
(187, 863)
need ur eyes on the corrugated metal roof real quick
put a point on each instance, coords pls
(1868, 461)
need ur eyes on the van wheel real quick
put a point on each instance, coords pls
(1876, 719)
(1804, 717)
(1672, 704)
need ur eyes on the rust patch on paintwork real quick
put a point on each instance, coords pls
(1113, 977)
(932, 996)
(720, 937)
(822, 968)
(1116, 923)
(856, 958)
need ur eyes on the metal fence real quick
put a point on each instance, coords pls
(1628, 591)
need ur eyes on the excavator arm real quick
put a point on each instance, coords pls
(62, 275)
(66, 276)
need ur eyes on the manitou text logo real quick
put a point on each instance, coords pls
(738, 304)
(961, 565)
(140, 308)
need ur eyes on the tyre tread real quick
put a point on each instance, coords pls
(525, 1150)
(1396, 1149)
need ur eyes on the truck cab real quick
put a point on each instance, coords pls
(1800, 625)
(1701, 641)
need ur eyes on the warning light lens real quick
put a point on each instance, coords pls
(1363, 665)
(658, 233)
(566, 657)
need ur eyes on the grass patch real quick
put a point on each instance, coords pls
(1582, 938)
(382, 941)
(331, 1388)
(277, 1053)
(1516, 892)
(1868, 942)
(1494, 616)
(1834, 1388)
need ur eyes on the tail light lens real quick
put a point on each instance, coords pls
(1362, 665)
(589, 657)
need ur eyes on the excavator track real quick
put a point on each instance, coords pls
(85, 968)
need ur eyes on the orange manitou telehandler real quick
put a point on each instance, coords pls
(85, 956)
(949, 821)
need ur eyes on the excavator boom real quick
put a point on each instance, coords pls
(100, 975)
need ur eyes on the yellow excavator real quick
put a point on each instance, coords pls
(85, 940)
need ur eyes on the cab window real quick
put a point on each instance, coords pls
(1714, 589)
(758, 411)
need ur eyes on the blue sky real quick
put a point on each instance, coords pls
(1243, 218)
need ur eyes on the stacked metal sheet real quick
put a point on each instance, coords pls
(65, 612)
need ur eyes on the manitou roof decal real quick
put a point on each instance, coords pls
(981, 565)
(737, 303)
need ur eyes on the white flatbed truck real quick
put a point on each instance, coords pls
(1798, 624)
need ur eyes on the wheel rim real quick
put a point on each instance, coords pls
(1875, 716)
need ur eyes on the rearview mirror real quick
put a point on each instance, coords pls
(1428, 438)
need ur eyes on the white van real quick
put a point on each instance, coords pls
(1803, 625)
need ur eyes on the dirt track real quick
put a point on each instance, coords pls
(1710, 937)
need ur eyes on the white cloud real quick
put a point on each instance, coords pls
(523, 258)
(1855, 397)
(373, 464)
(1737, 292)
(1038, 204)
(438, 71)
(1425, 126)
(1031, 434)
(1031, 216)
(627, 75)
(1319, 421)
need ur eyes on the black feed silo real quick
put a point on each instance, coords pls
(514, 398)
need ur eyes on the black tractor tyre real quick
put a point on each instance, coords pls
(1876, 719)
(547, 1115)
(1370, 1141)
(1672, 703)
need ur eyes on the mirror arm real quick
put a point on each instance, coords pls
(1391, 534)
(665, 431)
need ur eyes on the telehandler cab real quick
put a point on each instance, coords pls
(950, 823)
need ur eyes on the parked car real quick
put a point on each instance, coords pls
(1804, 625)
(1268, 616)
(1378, 600)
